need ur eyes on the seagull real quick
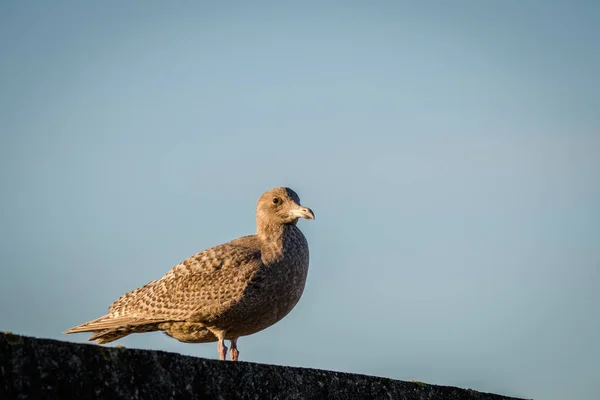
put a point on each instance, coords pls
(222, 293)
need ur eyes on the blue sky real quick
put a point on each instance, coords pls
(450, 151)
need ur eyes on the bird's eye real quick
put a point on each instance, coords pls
(276, 200)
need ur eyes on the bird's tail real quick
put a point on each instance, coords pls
(109, 335)
(108, 329)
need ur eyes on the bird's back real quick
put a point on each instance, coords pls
(197, 288)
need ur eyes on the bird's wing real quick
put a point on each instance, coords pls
(203, 285)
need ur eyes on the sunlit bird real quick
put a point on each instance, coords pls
(231, 290)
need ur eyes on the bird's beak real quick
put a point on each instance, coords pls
(302, 212)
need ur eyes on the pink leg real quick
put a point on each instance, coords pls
(222, 349)
(235, 354)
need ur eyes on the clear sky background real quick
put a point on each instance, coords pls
(449, 149)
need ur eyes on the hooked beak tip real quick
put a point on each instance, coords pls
(303, 212)
(309, 214)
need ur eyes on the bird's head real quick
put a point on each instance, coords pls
(281, 206)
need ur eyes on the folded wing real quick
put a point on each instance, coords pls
(202, 286)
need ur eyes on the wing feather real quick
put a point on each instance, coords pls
(202, 286)
(108, 322)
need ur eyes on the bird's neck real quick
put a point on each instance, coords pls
(270, 233)
(273, 239)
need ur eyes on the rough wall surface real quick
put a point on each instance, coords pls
(33, 368)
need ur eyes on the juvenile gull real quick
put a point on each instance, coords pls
(231, 290)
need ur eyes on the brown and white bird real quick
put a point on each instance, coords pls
(231, 290)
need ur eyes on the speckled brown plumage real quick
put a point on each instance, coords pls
(231, 290)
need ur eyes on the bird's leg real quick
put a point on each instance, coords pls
(222, 349)
(235, 354)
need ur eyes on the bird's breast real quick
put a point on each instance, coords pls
(273, 290)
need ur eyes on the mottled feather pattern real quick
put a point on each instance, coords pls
(201, 284)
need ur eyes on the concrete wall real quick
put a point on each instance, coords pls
(33, 368)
